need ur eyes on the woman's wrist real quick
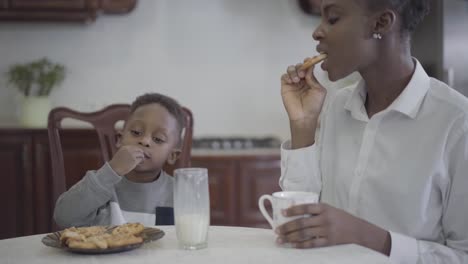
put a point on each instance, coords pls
(303, 132)
(376, 238)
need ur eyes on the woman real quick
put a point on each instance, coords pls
(391, 158)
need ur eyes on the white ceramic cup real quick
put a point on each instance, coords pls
(284, 200)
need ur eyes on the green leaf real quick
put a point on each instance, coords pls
(43, 72)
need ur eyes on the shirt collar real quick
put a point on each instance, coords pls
(408, 102)
(355, 103)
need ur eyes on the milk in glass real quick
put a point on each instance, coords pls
(191, 207)
(192, 229)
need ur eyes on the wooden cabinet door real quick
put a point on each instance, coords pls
(222, 187)
(25, 192)
(49, 10)
(3, 4)
(257, 176)
(61, 10)
(16, 186)
(41, 5)
(42, 202)
(117, 6)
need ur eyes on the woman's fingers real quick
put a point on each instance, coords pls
(303, 235)
(301, 223)
(312, 243)
(310, 77)
(285, 79)
(311, 208)
(300, 73)
(293, 74)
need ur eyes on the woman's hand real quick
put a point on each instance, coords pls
(327, 226)
(303, 98)
(302, 95)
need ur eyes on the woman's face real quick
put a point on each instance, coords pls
(345, 34)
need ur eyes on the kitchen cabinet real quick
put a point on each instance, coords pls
(236, 183)
(25, 192)
(61, 10)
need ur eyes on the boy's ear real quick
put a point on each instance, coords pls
(118, 139)
(175, 154)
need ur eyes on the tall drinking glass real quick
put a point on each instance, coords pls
(191, 207)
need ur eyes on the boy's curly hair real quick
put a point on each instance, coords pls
(171, 105)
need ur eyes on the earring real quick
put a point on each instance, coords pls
(377, 36)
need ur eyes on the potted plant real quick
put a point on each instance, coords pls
(35, 82)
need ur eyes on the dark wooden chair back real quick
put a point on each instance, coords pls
(104, 122)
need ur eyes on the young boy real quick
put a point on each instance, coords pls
(130, 186)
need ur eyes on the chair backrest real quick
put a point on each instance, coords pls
(104, 122)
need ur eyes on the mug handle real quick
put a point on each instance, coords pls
(261, 206)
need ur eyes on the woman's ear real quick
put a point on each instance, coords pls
(384, 22)
(175, 154)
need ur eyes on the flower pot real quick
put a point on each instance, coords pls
(35, 111)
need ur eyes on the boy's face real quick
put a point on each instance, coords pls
(152, 128)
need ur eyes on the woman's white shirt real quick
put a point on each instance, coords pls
(405, 169)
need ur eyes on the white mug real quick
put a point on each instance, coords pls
(284, 200)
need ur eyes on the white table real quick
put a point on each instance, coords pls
(226, 245)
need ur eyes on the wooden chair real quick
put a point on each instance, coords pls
(104, 122)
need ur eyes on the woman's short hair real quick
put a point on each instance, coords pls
(411, 12)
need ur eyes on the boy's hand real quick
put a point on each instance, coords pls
(126, 159)
(327, 226)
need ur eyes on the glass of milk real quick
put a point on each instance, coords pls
(191, 207)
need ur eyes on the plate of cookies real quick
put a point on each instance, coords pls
(102, 239)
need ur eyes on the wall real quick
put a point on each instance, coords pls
(431, 31)
(221, 58)
(456, 42)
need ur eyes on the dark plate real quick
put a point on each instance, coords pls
(148, 234)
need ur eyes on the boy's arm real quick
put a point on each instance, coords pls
(79, 205)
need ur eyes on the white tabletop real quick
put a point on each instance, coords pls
(226, 245)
